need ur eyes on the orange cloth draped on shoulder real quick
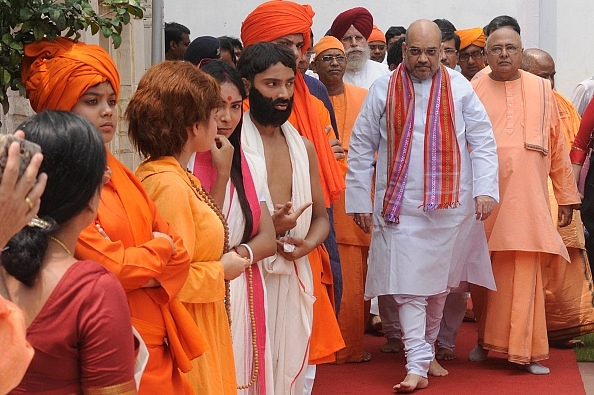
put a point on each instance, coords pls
(16, 351)
(278, 18)
(353, 243)
(203, 293)
(568, 293)
(325, 334)
(135, 256)
(57, 73)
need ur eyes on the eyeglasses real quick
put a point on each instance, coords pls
(332, 58)
(465, 56)
(430, 52)
(378, 47)
(449, 51)
(498, 49)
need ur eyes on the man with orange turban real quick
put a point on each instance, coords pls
(353, 28)
(472, 45)
(377, 45)
(289, 24)
(129, 237)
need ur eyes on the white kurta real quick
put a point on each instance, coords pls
(427, 252)
(289, 285)
(370, 72)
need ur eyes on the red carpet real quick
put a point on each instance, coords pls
(495, 376)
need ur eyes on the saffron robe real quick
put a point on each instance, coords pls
(16, 351)
(241, 325)
(203, 293)
(569, 297)
(402, 257)
(129, 219)
(353, 243)
(82, 337)
(520, 228)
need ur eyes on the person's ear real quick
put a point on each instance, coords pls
(172, 44)
(247, 84)
(314, 66)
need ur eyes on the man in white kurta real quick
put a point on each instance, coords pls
(419, 257)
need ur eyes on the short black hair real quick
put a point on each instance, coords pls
(447, 35)
(173, 32)
(502, 21)
(395, 52)
(227, 45)
(444, 24)
(394, 31)
(257, 58)
(75, 162)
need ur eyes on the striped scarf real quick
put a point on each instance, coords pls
(441, 152)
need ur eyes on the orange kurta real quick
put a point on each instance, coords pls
(353, 243)
(521, 237)
(204, 291)
(129, 219)
(569, 295)
(16, 351)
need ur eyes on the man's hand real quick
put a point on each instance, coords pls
(564, 215)
(293, 248)
(483, 206)
(364, 220)
(284, 218)
(337, 149)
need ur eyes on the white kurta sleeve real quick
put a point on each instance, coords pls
(363, 146)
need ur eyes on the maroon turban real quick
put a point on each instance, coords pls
(359, 17)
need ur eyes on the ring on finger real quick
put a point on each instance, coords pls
(29, 202)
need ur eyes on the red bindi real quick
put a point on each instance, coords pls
(229, 98)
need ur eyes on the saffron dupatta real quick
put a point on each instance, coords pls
(441, 152)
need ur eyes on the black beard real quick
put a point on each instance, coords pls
(263, 111)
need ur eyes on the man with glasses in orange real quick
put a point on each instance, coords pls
(470, 55)
(436, 177)
(522, 236)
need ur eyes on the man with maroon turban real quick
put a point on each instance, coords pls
(353, 28)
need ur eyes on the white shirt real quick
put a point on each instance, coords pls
(364, 77)
(427, 252)
(582, 94)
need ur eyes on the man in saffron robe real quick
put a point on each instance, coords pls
(421, 120)
(353, 244)
(568, 298)
(523, 241)
(129, 236)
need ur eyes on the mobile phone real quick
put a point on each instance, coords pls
(28, 149)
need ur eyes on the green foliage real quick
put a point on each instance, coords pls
(586, 353)
(26, 21)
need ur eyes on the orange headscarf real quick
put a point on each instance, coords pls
(57, 73)
(376, 35)
(474, 36)
(278, 18)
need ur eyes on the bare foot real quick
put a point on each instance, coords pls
(366, 356)
(392, 345)
(444, 354)
(435, 369)
(478, 354)
(411, 382)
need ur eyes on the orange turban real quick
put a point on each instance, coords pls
(376, 35)
(277, 18)
(474, 36)
(56, 74)
(326, 43)
(358, 17)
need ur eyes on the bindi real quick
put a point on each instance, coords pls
(229, 98)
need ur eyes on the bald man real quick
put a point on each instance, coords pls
(568, 302)
(410, 217)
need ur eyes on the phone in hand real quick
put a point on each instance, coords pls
(28, 149)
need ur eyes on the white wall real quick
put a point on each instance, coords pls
(561, 27)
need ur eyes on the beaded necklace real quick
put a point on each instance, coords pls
(206, 198)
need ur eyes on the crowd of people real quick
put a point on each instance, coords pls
(290, 187)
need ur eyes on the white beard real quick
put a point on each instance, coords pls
(355, 61)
